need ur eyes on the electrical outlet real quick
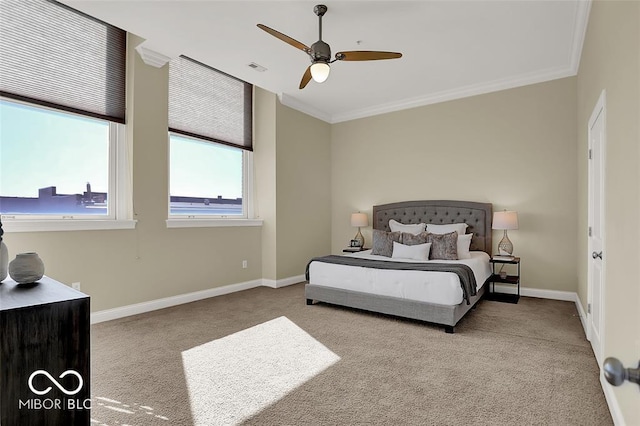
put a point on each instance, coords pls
(244, 264)
(75, 286)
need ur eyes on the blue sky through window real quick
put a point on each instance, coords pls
(41, 148)
(205, 169)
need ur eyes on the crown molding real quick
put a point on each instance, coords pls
(151, 57)
(444, 96)
(450, 95)
(302, 107)
(579, 32)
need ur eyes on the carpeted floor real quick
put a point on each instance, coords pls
(322, 365)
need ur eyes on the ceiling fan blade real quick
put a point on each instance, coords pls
(277, 34)
(366, 55)
(306, 77)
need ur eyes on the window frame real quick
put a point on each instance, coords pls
(215, 220)
(118, 205)
(175, 127)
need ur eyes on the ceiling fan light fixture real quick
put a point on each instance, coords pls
(320, 52)
(320, 71)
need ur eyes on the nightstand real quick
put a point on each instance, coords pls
(509, 279)
(354, 249)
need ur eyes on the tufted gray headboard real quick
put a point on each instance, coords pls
(477, 215)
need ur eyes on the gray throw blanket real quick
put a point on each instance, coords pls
(467, 279)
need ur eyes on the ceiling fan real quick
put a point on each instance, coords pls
(320, 52)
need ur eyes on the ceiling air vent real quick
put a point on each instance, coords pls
(257, 67)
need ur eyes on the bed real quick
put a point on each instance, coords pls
(430, 296)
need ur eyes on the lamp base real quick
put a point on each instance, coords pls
(505, 247)
(359, 238)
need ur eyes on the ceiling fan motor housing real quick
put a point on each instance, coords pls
(320, 51)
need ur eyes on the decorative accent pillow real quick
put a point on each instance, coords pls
(383, 242)
(413, 228)
(411, 239)
(444, 246)
(464, 242)
(460, 228)
(415, 252)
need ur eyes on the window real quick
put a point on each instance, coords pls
(62, 110)
(206, 178)
(53, 163)
(210, 142)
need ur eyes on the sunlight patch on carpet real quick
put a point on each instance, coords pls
(233, 378)
(131, 414)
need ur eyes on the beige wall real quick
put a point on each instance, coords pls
(265, 176)
(118, 268)
(293, 186)
(304, 190)
(515, 149)
(611, 61)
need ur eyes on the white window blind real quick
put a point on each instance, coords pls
(55, 56)
(208, 104)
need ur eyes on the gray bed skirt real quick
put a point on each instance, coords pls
(447, 315)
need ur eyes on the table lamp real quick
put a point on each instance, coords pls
(505, 220)
(359, 220)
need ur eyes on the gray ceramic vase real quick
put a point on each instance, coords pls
(26, 268)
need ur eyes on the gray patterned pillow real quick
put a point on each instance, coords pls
(383, 242)
(412, 240)
(443, 246)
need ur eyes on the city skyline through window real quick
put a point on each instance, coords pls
(55, 163)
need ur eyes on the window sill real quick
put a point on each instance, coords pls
(211, 223)
(66, 225)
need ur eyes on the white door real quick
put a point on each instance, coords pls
(596, 281)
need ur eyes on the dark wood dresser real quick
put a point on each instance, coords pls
(44, 354)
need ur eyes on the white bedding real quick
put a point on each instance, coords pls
(442, 288)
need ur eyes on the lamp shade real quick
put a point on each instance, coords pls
(320, 71)
(505, 220)
(359, 219)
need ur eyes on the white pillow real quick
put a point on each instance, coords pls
(460, 228)
(416, 252)
(464, 241)
(414, 228)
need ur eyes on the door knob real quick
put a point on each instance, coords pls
(616, 374)
(596, 255)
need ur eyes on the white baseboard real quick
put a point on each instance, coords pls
(607, 389)
(612, 402)
(152, 305)
(582, 313)
(568, 296)
(283, 282)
